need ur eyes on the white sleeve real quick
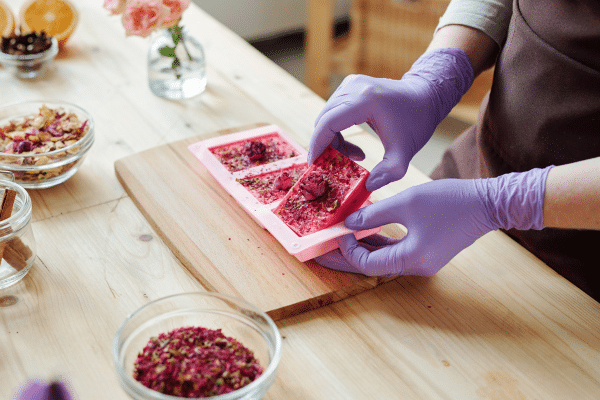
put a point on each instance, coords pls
(492, 17)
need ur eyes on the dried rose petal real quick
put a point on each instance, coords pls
(195, 362)
(24, 146)
(255, 150)
(284, 181)
(313, 187)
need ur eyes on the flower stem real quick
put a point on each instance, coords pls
(177, 36)
(186, 49)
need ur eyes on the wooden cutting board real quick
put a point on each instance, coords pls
(218, 242)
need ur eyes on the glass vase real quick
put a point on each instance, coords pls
(178, 73)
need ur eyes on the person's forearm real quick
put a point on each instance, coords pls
(572, 198)
(480, 48)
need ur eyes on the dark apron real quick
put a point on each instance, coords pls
(543, 109)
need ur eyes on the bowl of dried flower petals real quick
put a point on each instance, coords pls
(197, 346)
(43, 143)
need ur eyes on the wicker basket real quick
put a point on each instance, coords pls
(386, 37)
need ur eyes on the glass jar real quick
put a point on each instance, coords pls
(236, 318)
(17, 243)
(29, 66)
(176, 71)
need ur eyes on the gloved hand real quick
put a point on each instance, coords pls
(442, 217)
(39, 390)
(404, 113)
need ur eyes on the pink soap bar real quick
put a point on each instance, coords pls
(272, 186)
(330, 190)
(253, 152)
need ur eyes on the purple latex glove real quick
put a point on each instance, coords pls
(40, 390)
(404, 113)
(443, 218)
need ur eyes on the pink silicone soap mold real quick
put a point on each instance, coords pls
(260, 167)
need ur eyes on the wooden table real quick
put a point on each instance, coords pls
(495, 323)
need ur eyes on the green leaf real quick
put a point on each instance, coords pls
(167, 51)
(176, 34)
(176, 63)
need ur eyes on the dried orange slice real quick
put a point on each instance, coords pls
(7, 20)
(57, 18)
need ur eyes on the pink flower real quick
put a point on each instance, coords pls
(115, 6)
(176, 7)
(141, 17)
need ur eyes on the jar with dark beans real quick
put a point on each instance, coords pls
(31, 43)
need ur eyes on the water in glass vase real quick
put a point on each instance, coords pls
(184, 81)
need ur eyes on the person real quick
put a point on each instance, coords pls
(530, 166)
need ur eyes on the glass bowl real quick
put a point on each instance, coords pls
(235, 317)
(38, 170)
(31, 65)
(17, 242)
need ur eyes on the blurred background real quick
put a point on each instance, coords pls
(319, 42)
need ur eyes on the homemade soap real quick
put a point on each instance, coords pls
(330, 190)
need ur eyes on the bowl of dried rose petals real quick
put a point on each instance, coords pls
(43, 143)
(197, 346)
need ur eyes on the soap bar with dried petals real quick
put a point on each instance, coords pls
(271, 186)
(330, 190)
(253, 152)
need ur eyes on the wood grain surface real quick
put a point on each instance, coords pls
(495, 323)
